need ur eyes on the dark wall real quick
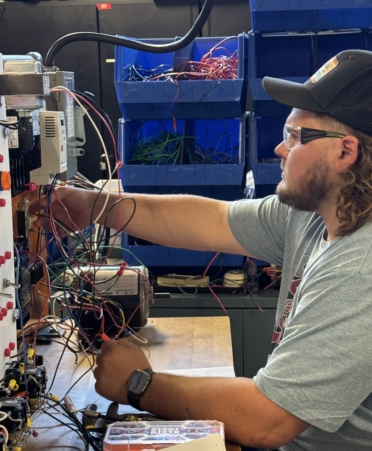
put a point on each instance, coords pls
(228, 18)
(26, 27)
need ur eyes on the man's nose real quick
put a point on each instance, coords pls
(281, 150)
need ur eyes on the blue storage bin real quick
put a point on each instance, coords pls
(288, 15)
(224, 134)
(265, 134)
(263, 104)
(300, 55)
(294, 57)
(154, 256)
(186, 98)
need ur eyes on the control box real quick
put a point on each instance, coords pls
(53, 147)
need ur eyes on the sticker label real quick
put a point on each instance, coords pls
(13, 142)
(324, 70)
(127, 284)
(35, 122)
(70, 116)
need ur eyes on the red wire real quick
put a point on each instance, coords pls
(42, 314)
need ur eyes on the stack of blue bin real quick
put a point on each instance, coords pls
(212, 113)
(292, 39)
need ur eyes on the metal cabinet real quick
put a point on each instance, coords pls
(228, 18)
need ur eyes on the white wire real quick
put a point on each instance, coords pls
(63, 88)
(57, 322)
(142, 340)
(4, 415)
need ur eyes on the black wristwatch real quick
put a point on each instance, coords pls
(137, 385)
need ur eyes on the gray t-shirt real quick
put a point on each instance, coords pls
(320, 368)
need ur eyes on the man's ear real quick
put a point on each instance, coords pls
(348, 152)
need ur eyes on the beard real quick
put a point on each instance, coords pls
(311, 191)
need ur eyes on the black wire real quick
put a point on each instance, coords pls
(130, 218)
(65, 424)
(75, 420)
(107, 241)
(81, 377)
(132, 43)
(92, 212)
(38, 236)
(98, 107)
(13, 125)
(67, 346)
(114, 205)
(59, 361)
(99, 243)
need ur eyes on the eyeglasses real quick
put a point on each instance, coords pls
(295, 136)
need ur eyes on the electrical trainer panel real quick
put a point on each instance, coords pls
(8, 308)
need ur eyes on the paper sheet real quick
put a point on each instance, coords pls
(210, 443)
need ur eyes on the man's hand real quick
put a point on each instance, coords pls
(115, 365)
(72, 207)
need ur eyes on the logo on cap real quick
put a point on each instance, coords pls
(324, 70)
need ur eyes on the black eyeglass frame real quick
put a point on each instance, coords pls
(310, 134)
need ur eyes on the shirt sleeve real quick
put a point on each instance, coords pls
(259, 225)
(321, 371)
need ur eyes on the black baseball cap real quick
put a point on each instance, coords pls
(341, 88)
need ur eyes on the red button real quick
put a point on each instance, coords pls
(12, 346)
(9, 305)
(4, 311)
(1, 158)
(7, 352)
(2, 202)
(2, 259)
(1, 316)
(8, 255)
(31, 186)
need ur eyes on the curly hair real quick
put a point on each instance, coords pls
(354, 200)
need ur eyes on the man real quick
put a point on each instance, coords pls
(315, 391)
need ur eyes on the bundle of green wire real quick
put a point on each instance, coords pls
(161, 148)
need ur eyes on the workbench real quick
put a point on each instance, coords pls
(198, 346)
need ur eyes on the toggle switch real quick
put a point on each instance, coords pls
(8, 283)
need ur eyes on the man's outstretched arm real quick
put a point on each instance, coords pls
(190, 222)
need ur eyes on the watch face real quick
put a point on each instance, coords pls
(138, 382)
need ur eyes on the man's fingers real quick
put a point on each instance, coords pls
(41, 203)
(126, 343)
(38, 205)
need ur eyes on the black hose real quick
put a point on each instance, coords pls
(131, 42)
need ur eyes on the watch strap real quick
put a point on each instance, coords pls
(134, 399)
